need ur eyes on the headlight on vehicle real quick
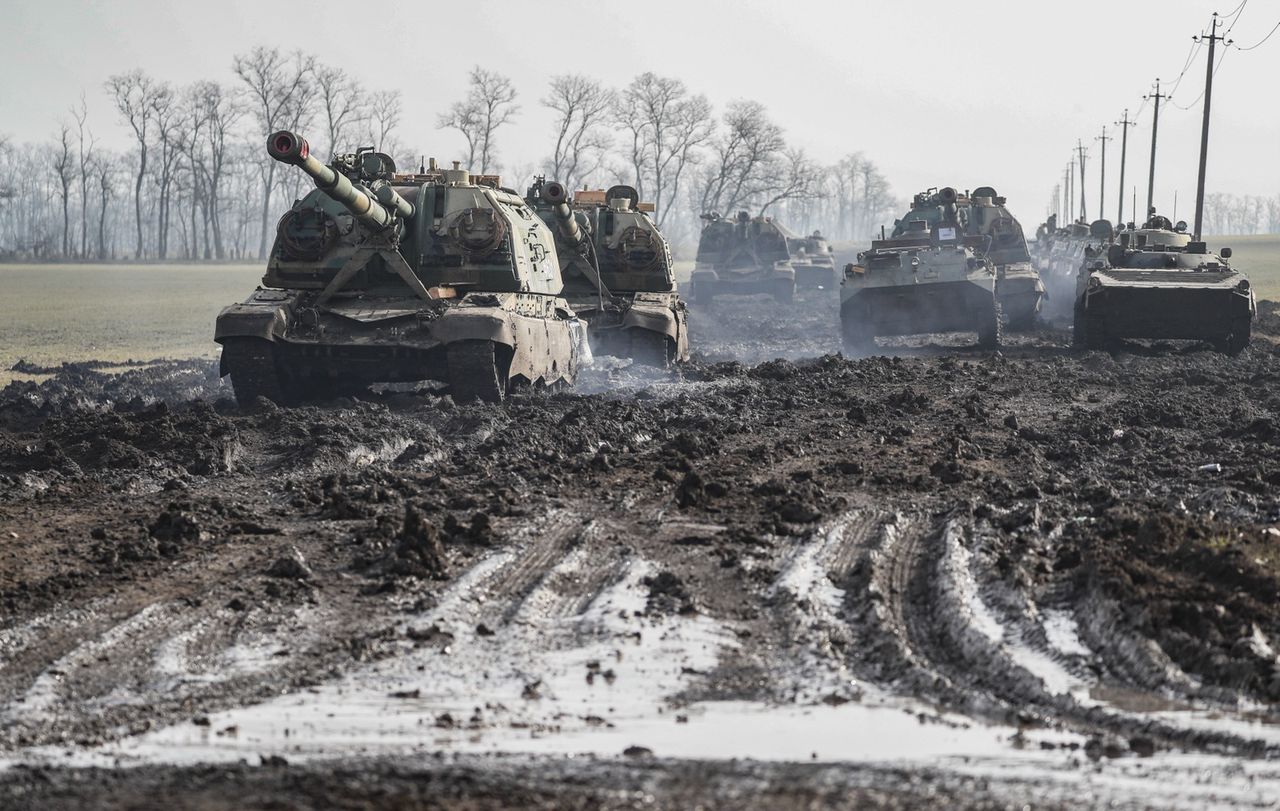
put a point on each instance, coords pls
(1243, 285)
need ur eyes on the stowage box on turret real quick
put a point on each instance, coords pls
(927, 278)
(377, 276)
(1159, 281)
(617, 271)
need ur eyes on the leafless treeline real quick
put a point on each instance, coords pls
(1231, 214)
(196, 183)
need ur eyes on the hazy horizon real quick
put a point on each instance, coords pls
(933, 93)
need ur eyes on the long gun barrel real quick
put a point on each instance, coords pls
(558, 196)
(377, 211)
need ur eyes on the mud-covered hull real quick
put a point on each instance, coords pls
(778, 281)
(816, 275)
(651, 328)
(953, 306)
(353, 342)
(1179, 306)
(1021, 293)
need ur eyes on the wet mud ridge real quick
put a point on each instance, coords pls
(777, 578)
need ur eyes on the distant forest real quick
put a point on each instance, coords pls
(196, 184)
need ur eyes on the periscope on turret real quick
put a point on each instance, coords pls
(379, 276)
(617, 271)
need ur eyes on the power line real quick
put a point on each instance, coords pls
(1239, 10)
(1195, 49)
(1202, 92)
(1274, 28)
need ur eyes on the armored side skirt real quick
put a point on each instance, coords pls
(918, 308)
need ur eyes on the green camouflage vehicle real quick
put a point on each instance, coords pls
(1158, 281)
(813, 260)
(982, 213)
(744, 256)
(617, 271)
(377, 276)
(926, 278)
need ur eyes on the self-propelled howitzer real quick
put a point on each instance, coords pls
(617, 271)
(379, 276)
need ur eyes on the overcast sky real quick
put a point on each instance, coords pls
(938, 92)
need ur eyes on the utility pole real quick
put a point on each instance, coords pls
(1155, 127)
(1071, 189)
(1102, 184)
(1124, 147)
(1214, 37)
(1066, 194)
(1084, 211)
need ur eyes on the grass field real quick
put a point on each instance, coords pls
(55, 313)
(1258, 256)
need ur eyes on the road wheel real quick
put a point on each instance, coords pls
(251, 363)
(474, 372)
(990, 329)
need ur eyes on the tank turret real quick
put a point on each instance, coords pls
(377, 207)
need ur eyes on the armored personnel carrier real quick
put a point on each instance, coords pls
(813, 259)
(1158, 281)
(377, 276)
(983, 213)
(617, 271)
(1073, 248)
(743, 256)
(926, 278)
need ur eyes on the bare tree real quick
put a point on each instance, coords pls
(64, 168)
(277, 87)
(217, 110)
(134, 94)
(384, 116)
(85, 143)
(743, 159)
(169, 127)
(666, 127)
(793, 177)
(342, 104)
(490, 103)
(105, 172)
(581, 105)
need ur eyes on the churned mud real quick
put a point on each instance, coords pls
(775, 578)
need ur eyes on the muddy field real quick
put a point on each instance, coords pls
(777, 578)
